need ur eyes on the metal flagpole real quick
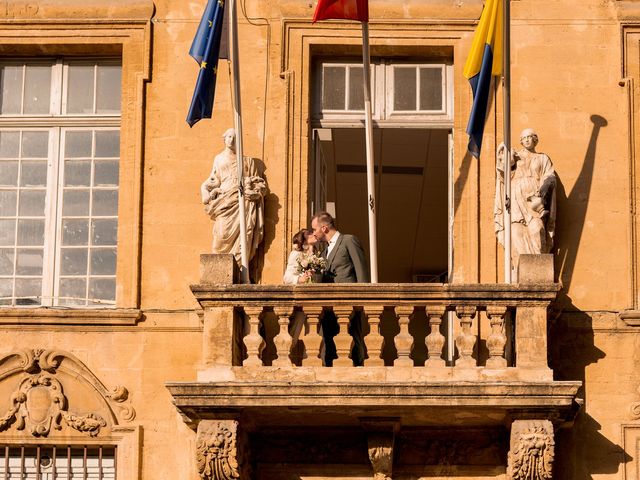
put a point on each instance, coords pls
(371, 196)
(506, 79)
(237, 119)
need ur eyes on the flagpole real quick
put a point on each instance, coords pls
(506, 79)
(371, 196)
(237, 119)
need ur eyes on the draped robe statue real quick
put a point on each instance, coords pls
(533, 199)
(220, 197)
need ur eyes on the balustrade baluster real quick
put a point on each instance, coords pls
(466, 340)
(435, 340)
(497, 339)
(374, 341)
(343, 340)
(253, 341)
(312, 338)
(404, 340)
(283, 340)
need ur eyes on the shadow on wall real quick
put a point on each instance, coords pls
(571, 214)
(581, 451)
(271, 208)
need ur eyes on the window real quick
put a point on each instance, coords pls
(418, 93)
(47, 462)
(59, 176)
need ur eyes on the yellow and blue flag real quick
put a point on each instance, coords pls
(205, 49)
(483, 62)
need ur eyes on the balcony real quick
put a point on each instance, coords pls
(419, 356)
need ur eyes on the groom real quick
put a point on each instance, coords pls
(345, 257)
(346, 264)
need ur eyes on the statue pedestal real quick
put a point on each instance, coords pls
(535, 268)
(218, 268)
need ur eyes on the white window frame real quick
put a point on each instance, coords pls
(55, 122)
(382, 89)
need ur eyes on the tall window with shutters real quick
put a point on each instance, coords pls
(59, 176)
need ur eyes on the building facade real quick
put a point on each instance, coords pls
(125, 353)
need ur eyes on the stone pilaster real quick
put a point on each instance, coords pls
(531, 450)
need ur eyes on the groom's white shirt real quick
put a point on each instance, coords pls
(332, 242)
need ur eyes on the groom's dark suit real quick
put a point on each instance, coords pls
(346, 262)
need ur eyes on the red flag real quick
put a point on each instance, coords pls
(342, 9)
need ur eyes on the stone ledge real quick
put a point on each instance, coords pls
(631, 317)
(61, 316)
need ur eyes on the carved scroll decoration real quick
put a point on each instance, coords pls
(39, 404)
(532, 450)
(634, 409)
(217, 453)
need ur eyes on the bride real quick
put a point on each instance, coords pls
(303, 243)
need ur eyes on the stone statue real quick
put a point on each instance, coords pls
(220, 197)
(533, 199)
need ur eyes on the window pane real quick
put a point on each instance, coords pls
(30, 232)
(102, 288)
(108, 143)
(8, 203)
(106, 173)
(108, 95)
(333, 88)
(11, 80)
(31, 288)
(8, 173)
(105, 203)
(103, 261)
(75, 232)
(73, 261)
(29, 261)
(104, 232)
(72, 291)
(6, 291)
(37, 89)
(9, 144)
(78, 144)
(404, 88)
(33, 174)
(80, 89)
(35, 144)
(356, 88)
(6, 261)
(430, 89)
(7, 232)
(32, 203)
(77, 173)
(75, 203)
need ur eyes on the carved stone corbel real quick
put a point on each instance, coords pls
(532, 450)
(219, 451)
(380, 441)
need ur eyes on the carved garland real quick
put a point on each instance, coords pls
(532, 450)
(39, 403)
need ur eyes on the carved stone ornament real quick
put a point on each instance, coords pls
(217, 452)
(381, 455)
(532, 450)
(39, 404)
(635, 409)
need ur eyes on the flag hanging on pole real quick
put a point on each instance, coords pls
(483, 62)
(205, 50)
(342, 10)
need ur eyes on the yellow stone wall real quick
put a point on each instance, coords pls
(569, 59)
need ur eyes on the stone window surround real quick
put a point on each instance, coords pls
(117, 28)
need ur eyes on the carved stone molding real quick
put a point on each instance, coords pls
(380, 441)
(39, 403)
(532, 450)
(219, 452)
(634, 409)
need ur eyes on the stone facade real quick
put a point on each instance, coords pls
(186, 377)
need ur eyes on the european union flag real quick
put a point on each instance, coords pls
(483, 62)
(205, 49)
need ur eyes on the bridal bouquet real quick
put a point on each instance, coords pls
(313, 264)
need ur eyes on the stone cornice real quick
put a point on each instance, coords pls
(59, 316)
(59, 11)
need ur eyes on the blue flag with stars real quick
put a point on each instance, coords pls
(205, 49)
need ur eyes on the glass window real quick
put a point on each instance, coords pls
(59, 185)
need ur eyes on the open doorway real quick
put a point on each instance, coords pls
(412, 190)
